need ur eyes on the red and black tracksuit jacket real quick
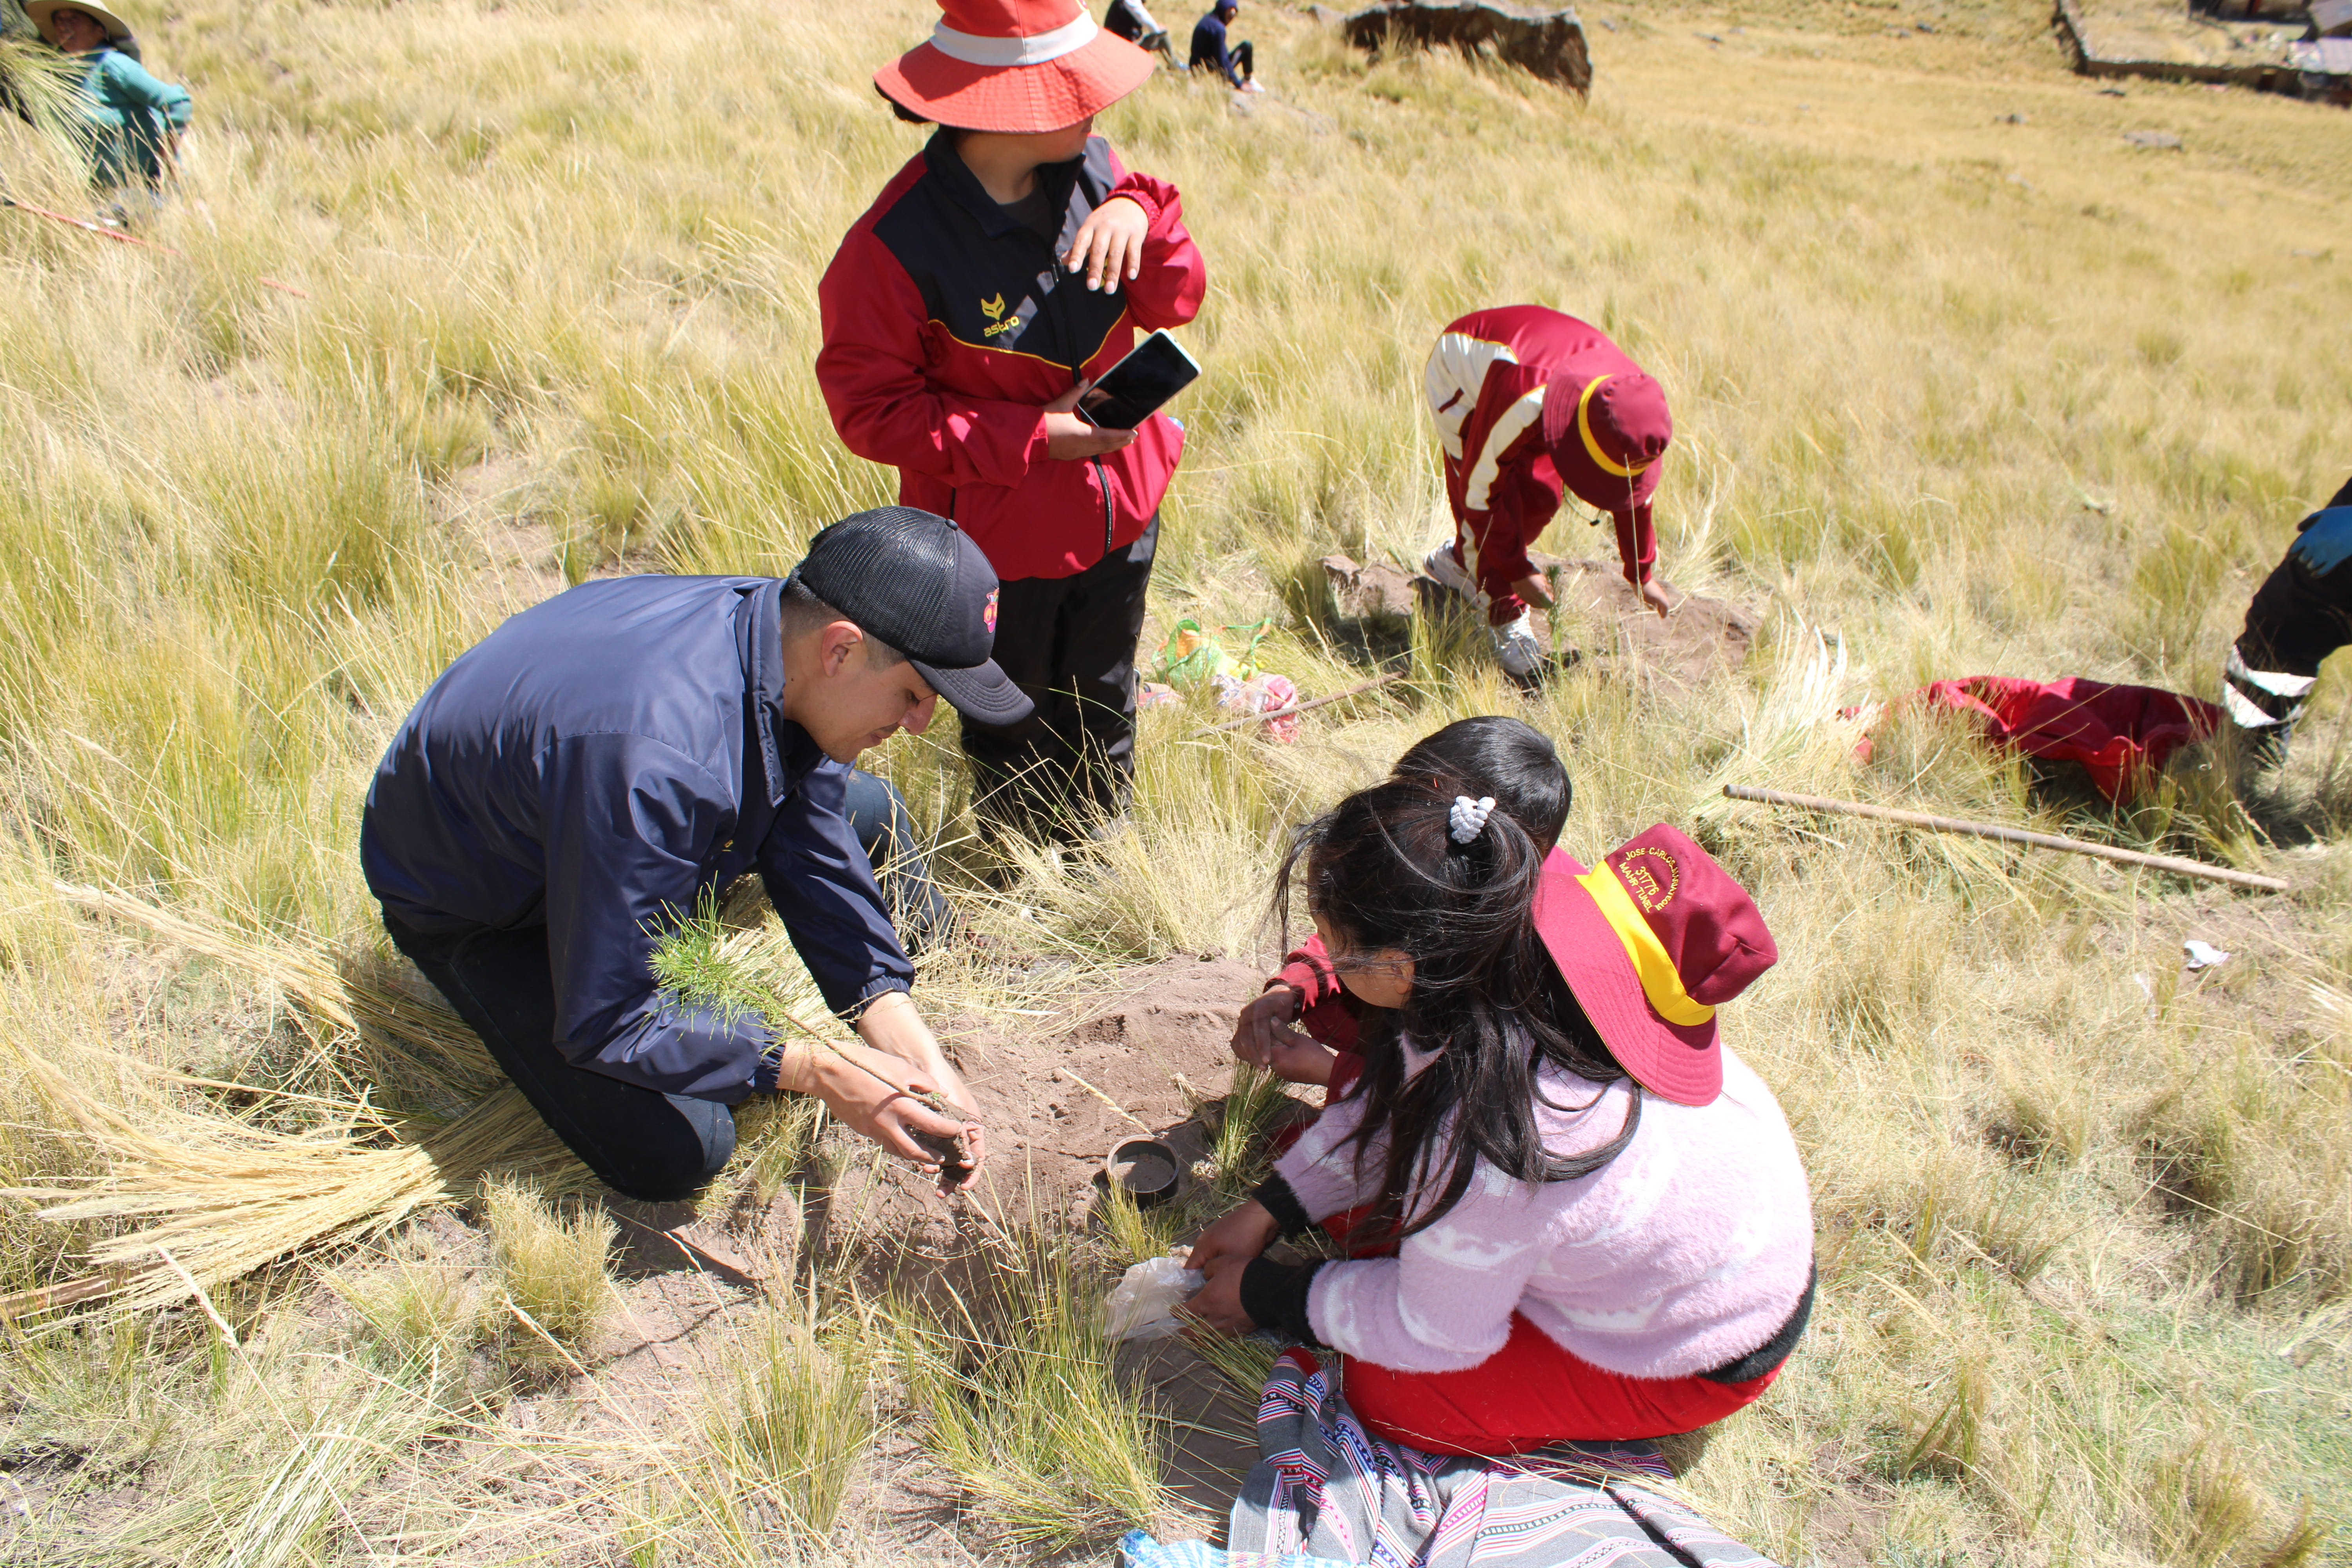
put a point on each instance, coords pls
(949, 323)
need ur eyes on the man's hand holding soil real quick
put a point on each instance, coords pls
(903, 1050)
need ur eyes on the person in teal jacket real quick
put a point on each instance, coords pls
(132, 115)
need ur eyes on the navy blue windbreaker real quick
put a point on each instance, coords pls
(595, 764)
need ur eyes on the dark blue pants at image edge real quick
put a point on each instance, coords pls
(886, 830)
(641, 1142)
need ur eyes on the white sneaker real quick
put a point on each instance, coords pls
(1517, 648)
(1440, 568)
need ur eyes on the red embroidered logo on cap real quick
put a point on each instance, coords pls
(988, 611)
(1642, 881)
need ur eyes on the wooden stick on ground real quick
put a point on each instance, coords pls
(48, 1298)
(2172, 863)
(116, 234)
(1295, 707)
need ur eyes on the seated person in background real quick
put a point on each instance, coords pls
(1237, 63)
(1530, 403)
(132, 118)
(2300, 614)
(1127, 19)
(1588, 1219)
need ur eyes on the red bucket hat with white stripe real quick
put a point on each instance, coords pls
(1013, 65)
(1652, 941)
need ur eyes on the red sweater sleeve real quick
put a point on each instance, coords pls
(1166, 291)
(885, 409)
(1637, 543)
(1307, 970)
(1325, 1011)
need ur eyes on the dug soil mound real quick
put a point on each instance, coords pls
(1140, 1058)
(1155, 1043)
(1599, 616)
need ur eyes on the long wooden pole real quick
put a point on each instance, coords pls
(2172, 863)
(1356, 690)
(120, 237)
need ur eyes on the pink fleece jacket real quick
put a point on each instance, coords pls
(1685, 1253)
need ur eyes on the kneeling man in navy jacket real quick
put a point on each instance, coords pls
(585, 773)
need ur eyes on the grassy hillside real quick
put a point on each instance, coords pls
(1963, 383)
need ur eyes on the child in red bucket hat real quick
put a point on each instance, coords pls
(1592, 1221)
(1008, 263)
(1530, 405)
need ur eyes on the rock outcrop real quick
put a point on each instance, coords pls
(1547, 42)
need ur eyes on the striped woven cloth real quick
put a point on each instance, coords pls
(1328, 1494)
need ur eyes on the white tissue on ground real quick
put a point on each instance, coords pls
(2202, 955)
(1142, 1305)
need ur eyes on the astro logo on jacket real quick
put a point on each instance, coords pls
(997, 320)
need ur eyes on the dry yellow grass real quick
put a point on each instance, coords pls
(1957, 392)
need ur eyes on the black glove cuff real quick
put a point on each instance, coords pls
(1290, 1215)
(1275, 1297)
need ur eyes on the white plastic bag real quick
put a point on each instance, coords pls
(1142, 1305)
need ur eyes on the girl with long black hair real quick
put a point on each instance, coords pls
(1588, 1218)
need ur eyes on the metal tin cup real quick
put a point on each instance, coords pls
(1145, 1169)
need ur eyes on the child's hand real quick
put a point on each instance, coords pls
(1109, 245)
(1296, 1058)
(1238, 1238)
(1069, 437)
(1218, 1303)
(1263, 1037)
(1258, 1031)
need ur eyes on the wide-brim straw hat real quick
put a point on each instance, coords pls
(1652, 941)
(41, 11)
(1013, 65)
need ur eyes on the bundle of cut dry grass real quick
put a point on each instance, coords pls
(222, 1193)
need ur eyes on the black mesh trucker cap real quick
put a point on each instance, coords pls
(912, 579)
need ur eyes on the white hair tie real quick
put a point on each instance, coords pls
(1469, 817)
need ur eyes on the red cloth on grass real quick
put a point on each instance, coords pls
(1530, 1393)
(2121, 734)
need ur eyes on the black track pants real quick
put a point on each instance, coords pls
(2300, 614)
(1069, 643)
(642, 1143)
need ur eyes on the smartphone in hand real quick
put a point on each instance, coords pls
(1131, 391)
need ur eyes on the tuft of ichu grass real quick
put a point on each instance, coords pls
(420, 1312)
(192, 1196)
(429, 1039)
(1015, 1383)
(551, 1262)
(796, 1416)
